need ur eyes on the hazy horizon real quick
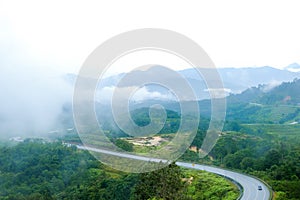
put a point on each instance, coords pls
(40, 42)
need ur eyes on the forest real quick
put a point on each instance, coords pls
(36, 169)
(261, 137)
(265, 151)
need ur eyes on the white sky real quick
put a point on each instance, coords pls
(61, 34)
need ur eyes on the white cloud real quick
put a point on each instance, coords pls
(105, 94)
(271, 85)
(144, 94)
(216, 93)
(31, 99)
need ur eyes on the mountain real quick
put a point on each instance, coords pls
(235, 80)
(239, 79)
(287, 93)
(280, 104)
(259, 104)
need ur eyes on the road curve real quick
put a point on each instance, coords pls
(249, 184)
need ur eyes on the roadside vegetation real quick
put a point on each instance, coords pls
(37, 170)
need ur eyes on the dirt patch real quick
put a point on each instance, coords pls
(147, 141)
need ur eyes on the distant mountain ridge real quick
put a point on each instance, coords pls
(239, 79)
(259, 104)
(235, 80)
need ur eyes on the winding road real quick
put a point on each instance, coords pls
(248, 183)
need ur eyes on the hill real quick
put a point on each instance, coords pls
(280, 104)
(235, 80)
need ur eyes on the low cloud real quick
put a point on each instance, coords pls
(271, 85)
(217, 93)
(32, 95)
(105, 94)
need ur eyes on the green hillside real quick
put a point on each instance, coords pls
(286, 93)
(256, 105)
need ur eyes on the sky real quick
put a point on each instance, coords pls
(42, 40)
(57, 36)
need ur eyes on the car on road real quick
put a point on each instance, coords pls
(259, 187)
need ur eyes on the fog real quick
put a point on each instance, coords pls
(104, 95)
(271, 85)
(32, 94)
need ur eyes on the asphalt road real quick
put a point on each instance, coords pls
(249, 184)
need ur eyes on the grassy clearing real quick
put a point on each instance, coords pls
(280, 130)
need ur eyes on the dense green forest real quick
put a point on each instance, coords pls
(262, 152)
(35, 169)
(270, 152)
(39, 170)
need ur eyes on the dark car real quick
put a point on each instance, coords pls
(259, 187)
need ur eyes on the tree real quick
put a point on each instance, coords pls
(165, 183)
(272, 158)
(124, 145)
(247, 162)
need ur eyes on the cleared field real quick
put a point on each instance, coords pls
(281, 130)
(276, 113)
